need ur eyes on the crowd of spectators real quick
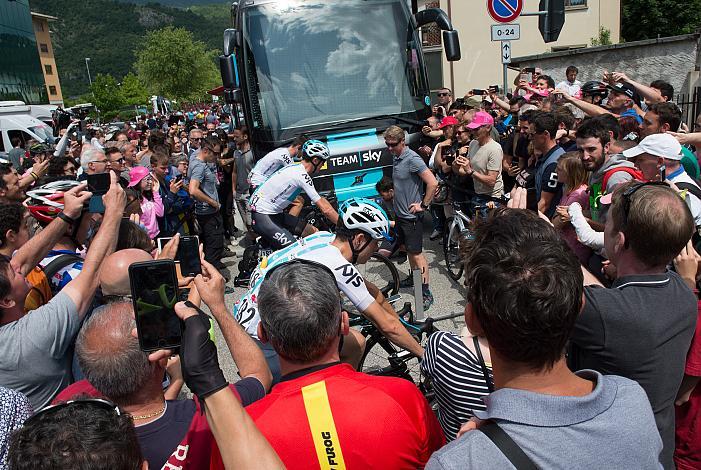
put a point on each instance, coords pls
(581, 346)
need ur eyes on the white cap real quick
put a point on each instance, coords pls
(660, 145)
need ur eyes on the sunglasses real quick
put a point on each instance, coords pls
(99, 402)
(628, 197)
(392, 144)
(443, 94)
(119, 160)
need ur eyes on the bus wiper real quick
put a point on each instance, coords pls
(343, 124)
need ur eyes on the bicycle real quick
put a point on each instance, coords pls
(379, 270)
(394, 361)
(459, 228)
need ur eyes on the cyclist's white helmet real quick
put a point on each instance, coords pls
(366, 215)
(315, 149)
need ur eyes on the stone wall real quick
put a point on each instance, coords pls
(674, 59)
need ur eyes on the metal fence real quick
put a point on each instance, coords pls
(690, 105)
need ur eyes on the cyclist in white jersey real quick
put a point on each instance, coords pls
(362, 224)
(271, 198)
(273, 161)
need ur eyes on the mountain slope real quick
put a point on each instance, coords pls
(109, 32)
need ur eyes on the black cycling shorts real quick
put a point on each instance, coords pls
(278, 229)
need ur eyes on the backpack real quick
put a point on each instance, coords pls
(634, 172)
(40, 279)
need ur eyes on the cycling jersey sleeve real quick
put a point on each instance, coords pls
(307, 184)
(351, 283)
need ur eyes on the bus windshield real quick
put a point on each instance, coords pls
(314, 62)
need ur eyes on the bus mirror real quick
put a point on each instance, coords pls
(233, 96)
(231, 41)
(229, 74)
(451, 44)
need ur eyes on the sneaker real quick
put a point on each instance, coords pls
(428, 300)
(408, 282)
(435, 235)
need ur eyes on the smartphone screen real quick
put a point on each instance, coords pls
(189, 256)
(154, 291)
(161, 242)
(99, 184)
(531, 201)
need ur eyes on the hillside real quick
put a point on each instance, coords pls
(109, 31)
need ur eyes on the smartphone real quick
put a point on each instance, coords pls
(531, 201)
(162, 242)
(494, 89)
(189, 256)
(98, 185)
(527, 77)
(477, 91)
(529, 70)
(558, 97)
(154, 293)
(663, 173)
(179, 177)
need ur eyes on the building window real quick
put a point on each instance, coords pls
(575, 3)
(52, 90)
(44, 47)
(48, 69)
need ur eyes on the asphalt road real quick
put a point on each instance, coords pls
(448, 294)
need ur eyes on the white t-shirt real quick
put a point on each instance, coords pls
(315, 247)
(283, 186)
(572, 89)
(268, 165)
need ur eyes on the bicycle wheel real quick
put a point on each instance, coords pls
(376, 359)
(380, 271)
(451, 250)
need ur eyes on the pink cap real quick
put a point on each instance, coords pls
(481, 119)
(136, 174)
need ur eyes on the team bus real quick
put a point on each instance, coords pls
(340, 71)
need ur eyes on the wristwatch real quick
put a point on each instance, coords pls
(469, 173)
(424, 206)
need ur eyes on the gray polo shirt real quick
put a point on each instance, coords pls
(202, 172)
(640, 328)
(408, 185)
(612, 427)
(35, 351)
(244, 164)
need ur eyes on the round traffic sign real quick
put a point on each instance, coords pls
(504, 11)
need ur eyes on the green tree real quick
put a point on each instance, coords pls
(173, 64)
(647, 19)
(133, 91)
(107, 94)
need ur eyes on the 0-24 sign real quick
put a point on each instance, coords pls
(506, 32)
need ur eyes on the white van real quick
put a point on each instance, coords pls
(42, 112)
(23, 127)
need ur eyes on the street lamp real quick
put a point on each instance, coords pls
(87, 66)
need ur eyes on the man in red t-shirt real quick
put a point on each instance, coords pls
(323, 414)
(687, 452)
(173, 434)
